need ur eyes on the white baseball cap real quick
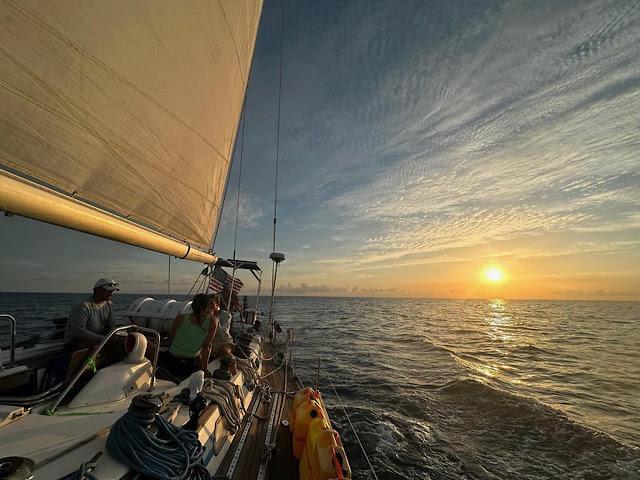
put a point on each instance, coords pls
(107, 284)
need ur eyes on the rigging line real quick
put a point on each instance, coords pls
(274, 264)
(275, 199)
(193, 286)
(200, 287)
(352, 427)
(274, 276)
(235, 233)
(231, 287)
(169, 278)
(196, 282)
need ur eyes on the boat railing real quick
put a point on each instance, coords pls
(90, 361)
(12, 336)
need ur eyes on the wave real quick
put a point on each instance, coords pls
(530, 350)
(534, 434)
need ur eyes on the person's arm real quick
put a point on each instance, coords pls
(174, 327)
(77, 321)
(111, 324)
(205, 351)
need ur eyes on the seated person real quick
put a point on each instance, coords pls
(191, 336)
(90, 321)
(223, 341)
(245, 309)
(236, 308)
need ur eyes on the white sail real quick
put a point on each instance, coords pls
(131, 107)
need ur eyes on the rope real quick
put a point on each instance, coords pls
(247, 370)
(220, 393)
(272, 372)
(201, 286)
(84, 472)
(353, 429)
(243, 347)
(193, 286)
(172, 454)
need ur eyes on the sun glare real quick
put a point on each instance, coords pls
(493, 274)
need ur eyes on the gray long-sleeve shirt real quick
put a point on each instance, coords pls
(89, 322)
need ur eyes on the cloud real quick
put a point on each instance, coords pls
(325, 289)
(595, 293)
(249, 210)
(304, 288)
(462, 131)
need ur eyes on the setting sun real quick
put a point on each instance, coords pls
(493, 274)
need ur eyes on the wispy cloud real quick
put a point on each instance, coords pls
(249, 210)
(471, 125)
(326, 289)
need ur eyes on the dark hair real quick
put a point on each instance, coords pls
(199, 303)
(214, 297)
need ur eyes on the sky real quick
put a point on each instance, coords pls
(420, 144)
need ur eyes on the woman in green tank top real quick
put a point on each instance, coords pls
(191, 336)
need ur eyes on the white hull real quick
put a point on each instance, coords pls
(59, 444)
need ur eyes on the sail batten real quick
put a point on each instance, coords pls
(132, 106)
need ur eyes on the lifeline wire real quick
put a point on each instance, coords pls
(352, 428)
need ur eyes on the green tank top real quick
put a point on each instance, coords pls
(189, 337)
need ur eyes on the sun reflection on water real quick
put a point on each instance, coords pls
(497, 319)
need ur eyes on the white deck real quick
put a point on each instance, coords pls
(60, 443)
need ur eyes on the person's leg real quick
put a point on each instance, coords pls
(172, 364)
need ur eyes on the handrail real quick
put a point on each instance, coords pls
(33, 399)
(91, 360)
(12, 333)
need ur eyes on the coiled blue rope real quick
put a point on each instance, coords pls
(171, 454)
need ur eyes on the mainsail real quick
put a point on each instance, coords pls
(119, 118)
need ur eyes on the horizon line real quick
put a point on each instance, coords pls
(362, 296)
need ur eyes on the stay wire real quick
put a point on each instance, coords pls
(193, 286)
(274, 277)
(169, 278)
(274, 265)
(201, 286)
(353, 429)
(275, 199)
(235, 233)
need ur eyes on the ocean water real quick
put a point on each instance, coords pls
(459, 389)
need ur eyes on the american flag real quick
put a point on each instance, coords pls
(221, 279)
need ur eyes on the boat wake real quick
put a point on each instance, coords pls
(526, 437)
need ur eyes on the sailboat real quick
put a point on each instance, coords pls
(119, 119)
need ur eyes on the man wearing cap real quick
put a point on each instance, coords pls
(90, 321)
